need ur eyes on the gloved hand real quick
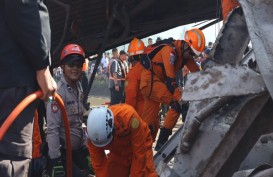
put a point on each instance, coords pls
(50, 165)
(37, 166)
(176, 106)
(171, 84)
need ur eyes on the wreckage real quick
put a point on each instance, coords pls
(229, 125)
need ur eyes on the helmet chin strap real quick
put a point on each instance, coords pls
(183, 50)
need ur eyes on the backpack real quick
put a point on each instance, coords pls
(151, 51)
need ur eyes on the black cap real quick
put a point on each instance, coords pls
(122, 52)
(114, 50)
(158, 39)
(73, 57)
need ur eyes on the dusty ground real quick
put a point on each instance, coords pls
(96, 100)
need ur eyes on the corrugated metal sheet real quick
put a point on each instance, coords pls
(87, 20)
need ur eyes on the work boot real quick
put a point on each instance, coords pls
(163, 138)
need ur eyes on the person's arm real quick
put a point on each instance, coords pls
(33, 38)
(169, 60)
(115, 76)
(114, 67)
(139, 146)
(46, 83)
(99, 160)
(32, 18)
(131, 90)
(192, 65)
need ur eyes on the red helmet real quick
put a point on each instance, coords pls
(72, 49)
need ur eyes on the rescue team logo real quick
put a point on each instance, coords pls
(134, 123)
(54, 107)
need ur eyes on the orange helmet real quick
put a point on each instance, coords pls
(136, 47)
(72, 49)
(196, 40)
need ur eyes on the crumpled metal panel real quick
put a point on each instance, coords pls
(232, 40)
(244, 173)
(214, 128)
(211, 133)
(267, 172)
(261, 153)
(224, 81)
(221, 81)
(259, 19)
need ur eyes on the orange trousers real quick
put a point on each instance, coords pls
(116, 167)
(159, 94)
(37, 141)
(121, 166)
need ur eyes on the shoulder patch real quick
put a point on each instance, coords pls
(172, 58)
(134, 123)
(54, 107)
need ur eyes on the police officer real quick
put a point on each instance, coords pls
(69, 88)
(118, 70)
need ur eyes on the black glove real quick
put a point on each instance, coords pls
(184, 110)
(176, 106)
(50, 165)
(171, 84)
(37, 166)
(44, 149)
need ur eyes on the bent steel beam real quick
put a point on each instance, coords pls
(222, 81)
(258, 15)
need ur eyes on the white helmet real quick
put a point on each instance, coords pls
(100, 126)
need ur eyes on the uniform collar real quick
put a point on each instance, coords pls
(69, 88)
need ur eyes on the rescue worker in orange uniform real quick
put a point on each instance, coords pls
(85, 76)
(133, 94)
(120, 130)
(227, 6)
(158, 84)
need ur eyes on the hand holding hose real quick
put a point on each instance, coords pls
(46, 83)
(23, 104)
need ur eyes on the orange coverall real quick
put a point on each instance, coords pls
(130, 150)
(227, 6)
(160, 92)
(133, 94)
(37, 141)
(85, 65)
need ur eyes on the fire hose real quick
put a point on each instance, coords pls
(23, 104)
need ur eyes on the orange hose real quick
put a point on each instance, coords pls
(23, 104)
(67, 136)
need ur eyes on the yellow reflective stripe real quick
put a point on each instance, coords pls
(140, 52)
